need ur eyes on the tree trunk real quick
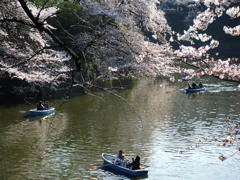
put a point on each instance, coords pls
(39, 25)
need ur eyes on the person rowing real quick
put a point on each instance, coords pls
(120, 159)
(194, 86)
(120, 155)
(40, 106)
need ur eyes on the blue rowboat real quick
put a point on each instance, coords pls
(195, 90)
(35, 112)
(115, 164)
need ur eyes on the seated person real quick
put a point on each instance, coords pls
(120, 155)
(135, 163)
(200, 85)
(40, 106)
(120, 159)
(194, 85)
(46, 106)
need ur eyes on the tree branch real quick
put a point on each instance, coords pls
(35, 21)
(35, 54)
(17, 21)
(197, 67)
(66, 31)
(41, 28)
(39, 13)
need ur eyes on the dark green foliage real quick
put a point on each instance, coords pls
(70, 6)
(67, 14)
(46, 3)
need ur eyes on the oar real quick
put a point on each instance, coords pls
(94, 168)
(233, 153)
(223, 158)
(22, 112)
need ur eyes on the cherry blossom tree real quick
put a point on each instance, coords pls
(113, 38)
(27, 51)
(117, 43)
(155, 55)
(200, 58)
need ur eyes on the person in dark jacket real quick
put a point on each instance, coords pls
(200, 85)
(135, 164)
(40, 106)
(194, 86)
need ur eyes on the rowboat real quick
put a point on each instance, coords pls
(35, 112)
(195, 90)
(119, 166)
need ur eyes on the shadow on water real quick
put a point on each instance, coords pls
(40, 118)
(116, 173)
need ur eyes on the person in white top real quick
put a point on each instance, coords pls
(120, 159)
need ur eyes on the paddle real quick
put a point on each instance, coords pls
(223, 158)
(22, 112)
(94, 168)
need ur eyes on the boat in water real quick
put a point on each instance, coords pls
(195, 90)
(115, 164)
(35, 112)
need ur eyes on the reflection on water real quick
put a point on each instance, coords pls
(178, 136)
(25, 143)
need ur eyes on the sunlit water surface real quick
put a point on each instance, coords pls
(178, 136)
